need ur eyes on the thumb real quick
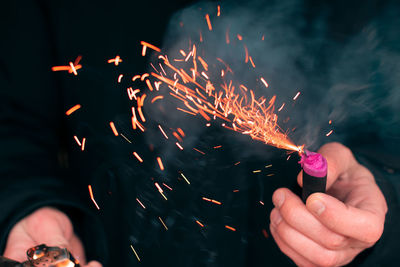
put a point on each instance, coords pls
(361, 224)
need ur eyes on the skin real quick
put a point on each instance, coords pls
(45, 226)
(332, 228)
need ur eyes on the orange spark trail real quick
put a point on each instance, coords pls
(77, 140)
(115, 60)
(219, 11)
(141, 204)
(137, 156)
(160, 163)
(92, 197)
(73, 109)
(155, 48)
(179, 145)
(113, 128)
(162, 131)
(199, 223)
(230, 228)
(156, 98)
(83, 144)
(208, 22)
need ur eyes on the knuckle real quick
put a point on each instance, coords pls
(372, 236)
(328, 259)
(335, 242)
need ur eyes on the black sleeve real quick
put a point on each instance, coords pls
(31, 120)
(384, 162)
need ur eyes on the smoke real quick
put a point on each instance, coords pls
(346, 66)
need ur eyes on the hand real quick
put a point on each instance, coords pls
(45, 226)
(333, 228)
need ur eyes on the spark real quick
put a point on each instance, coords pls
(215, 147)
(256, 171)
(208, 22)
(212, 200)
(199, 223)
(330, 121)
(201, 152)
(179, 145)
(158, 187)
(149, 85)
(73, 109)
(262, 203)
(137, 156)
(230, 228)
(115, 60)
(296, 96)
(157, 98)
(77, 140)
(123, 136)
(227, 36)
(268, 166)
(271, 174)
(164, 184)
(92, 197)
(166, 228)
(281, 107)
(181, 132)
(120, 78)
(160, 163)
(218, 11)
(83, 144)
(184, 177)
(113, 128)
(144, 48)
(237, 163)
(329, 133)
(73, 69)
(144, 76)
(162, 131)
(134, 251)
(177, 136)
(252, 62)
(141, 204)
(155, 48)
(235, 191)
(134, 78)
(240, 38)
(264, 82)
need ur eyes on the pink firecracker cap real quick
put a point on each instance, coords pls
(314, 164)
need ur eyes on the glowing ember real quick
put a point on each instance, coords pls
(113, 128)
(92, 197)
(73, 109)
(115, 60)
(230, 228)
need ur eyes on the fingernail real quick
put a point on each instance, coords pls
(279, 198)
(276, 218)
(317, 207)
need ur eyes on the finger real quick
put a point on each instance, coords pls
(94, 264)
(312, 251)
(295, 213)
(288, 251)
(76, 248)
(363, 225)
(18, 243)
(339, 159)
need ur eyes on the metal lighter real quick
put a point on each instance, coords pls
(43, 256)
